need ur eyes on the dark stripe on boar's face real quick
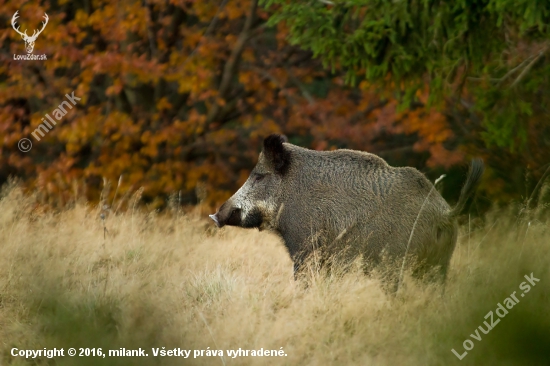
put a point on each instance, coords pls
(253, 219)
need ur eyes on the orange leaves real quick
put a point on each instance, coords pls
(439, 156)
(116, 88)
(115, 21)
(433, 132)
(105, 20)
(153, 107)
(163, 104)
(81, 19)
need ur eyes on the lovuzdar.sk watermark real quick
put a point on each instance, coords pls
(29, 40)
(30, 57)
(493, 320)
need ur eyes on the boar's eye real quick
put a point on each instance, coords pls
(258, 177)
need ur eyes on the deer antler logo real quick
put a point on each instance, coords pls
(29, 41)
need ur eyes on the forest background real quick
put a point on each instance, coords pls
(177, 95)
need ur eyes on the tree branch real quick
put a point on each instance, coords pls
(208, 30)
(233, 61)
(231, 64)
(529, 62)
(300, 86)
(275, 81)
(150, 29)
(528, 67)
(172, 32)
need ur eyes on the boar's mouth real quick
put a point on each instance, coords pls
(253, 220)
(233, 218)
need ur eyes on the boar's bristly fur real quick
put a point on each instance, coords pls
(346, 203)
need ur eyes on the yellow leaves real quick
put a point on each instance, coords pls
(205, 10)
(230, 38)
(114, 89)
(81, 19)
(364, 85)
(236, 9)
(134, 17)
(105, 20)
(192, 75)
(149, 150)
(146, 137)
(247, 77)
(115, 20)
(163, 104)
(148, 81)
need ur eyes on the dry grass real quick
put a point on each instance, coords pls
(177, 282)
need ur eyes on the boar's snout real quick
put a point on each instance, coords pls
(227, 215)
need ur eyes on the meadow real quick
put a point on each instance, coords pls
(141, 279)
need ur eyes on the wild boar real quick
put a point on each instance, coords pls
(346, 203)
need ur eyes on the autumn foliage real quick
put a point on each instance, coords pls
(177, 95)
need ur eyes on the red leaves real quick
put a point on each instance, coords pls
(153, 108)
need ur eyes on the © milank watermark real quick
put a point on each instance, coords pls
(500, 311)
(29, 40)
(48, 122)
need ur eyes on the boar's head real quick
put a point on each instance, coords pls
(255, 204)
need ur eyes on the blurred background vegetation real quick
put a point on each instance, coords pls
(177, 94)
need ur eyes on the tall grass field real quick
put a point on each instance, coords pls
(90, 278)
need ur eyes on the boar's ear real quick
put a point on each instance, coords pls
(276, 153)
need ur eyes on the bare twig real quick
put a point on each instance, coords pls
(487, 233)
(528, 67)
(150, 29)
(473, 78)
(509, 73)
(211, 335)
(539, 184)
(116, 191)
(523, 242)
(524, 66)
(412, 231)
(469, 236)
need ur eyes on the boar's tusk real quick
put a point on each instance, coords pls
(215, 219)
